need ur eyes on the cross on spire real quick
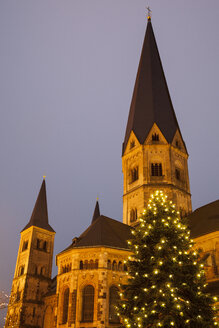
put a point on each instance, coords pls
(149, 13)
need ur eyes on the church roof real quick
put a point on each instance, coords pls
(204, 220)
(39, 217)
(151, 102)
(103, 231)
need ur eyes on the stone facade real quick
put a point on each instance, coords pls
(31, 279)
(159, 165)
(101, 268)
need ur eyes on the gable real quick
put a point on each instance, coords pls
(178, 142)
(132, 143)
(155, 137)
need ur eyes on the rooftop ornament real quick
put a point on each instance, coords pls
(149, 13)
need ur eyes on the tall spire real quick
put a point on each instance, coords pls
(151, 101)
(39, 217)
(96, 214)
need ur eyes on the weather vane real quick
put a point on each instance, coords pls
(149, 13)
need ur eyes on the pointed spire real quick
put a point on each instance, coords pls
(39, 217)
(96, 214)
(151, 101)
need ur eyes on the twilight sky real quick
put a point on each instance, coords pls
(67, 72)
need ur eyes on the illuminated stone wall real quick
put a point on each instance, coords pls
(173, 180)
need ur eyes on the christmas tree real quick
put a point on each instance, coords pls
(166, 285)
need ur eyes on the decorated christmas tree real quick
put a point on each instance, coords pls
(166, 286)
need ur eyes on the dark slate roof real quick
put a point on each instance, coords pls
(151, 101)
(39, 217)
(96, 212)
(204, 220)
(103, 231)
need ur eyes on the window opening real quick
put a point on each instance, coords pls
(44, 245)
(88, 304)
(133, 214)
(21, 271)
(155, 137)
(177, 174)
(114, 265)
(96, 264)
(25, 245)
(132, 144)
(113, 301)
(156, 170)
(120, 266)
(65, 306)
(38, 244)
(134, 174)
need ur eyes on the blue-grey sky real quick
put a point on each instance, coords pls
(67, 71)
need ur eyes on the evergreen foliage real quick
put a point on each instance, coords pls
(166, 279)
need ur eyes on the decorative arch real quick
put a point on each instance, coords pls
(120, 266)
(88, 303)
(114, 266)
(133, 214)
(113, 301)
(133, 174)
(48, 318)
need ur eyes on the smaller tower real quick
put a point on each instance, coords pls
(33, 269)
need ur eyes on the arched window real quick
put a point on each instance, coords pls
(88, 304)
(113, 301)
(120, 266)
(48, 318)
(91, 264)
(132, 144)
(38, 244)
(81, 265)
(155, 137)
(25, 246)
(96, 264)
(42, 271)
(21, 270)
(133, 214)
(86, 264)
(177, 174)
(108, 264)
(134, 174)
(114, 266)
(44, 245)
(65, 306)
(178, 144)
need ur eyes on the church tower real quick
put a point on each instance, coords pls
(154, 153)
(33, 269)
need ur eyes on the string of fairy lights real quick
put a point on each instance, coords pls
(166, 278)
